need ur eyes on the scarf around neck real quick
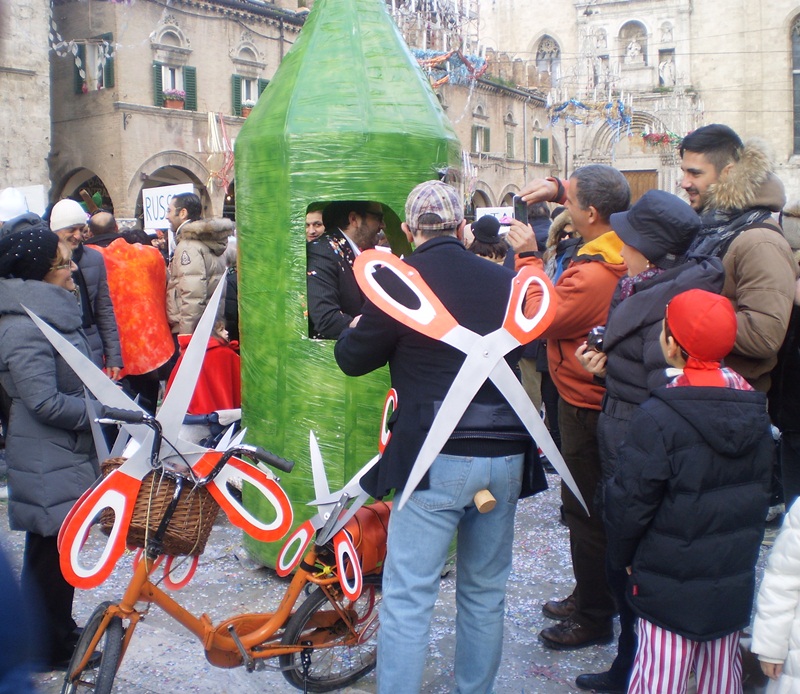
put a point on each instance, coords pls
(720, 227)
(627, 285)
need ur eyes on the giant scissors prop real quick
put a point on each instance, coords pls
(333, 513)
(485, 354)
(119, 490)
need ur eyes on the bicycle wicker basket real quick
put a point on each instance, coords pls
(191, 522)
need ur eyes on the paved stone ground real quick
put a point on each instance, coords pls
(165, 657)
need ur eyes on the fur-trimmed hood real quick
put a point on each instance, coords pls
(213, 233)
(749, 183)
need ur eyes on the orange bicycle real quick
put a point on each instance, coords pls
(328, 642)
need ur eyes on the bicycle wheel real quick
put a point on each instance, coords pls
(98, 679)
(340, 656)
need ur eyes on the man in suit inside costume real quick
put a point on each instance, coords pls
(334, 299)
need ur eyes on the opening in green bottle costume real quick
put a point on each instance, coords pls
(349, 115)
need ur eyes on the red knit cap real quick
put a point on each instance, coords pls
(703, 323)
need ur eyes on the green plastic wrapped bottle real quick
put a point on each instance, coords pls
(349, 115)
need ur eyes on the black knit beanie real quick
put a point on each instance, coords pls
(28, 255)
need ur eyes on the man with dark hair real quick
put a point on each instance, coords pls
(186, 207)
(584, 292)
(334, 299)
(198, 261)
(732, 186)
(477, 454)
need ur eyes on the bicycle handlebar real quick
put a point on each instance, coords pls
(114, 415)
(263, 456)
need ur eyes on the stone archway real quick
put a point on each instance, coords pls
(646, 166)
(169, 168)
(82, 179)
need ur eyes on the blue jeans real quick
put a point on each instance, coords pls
(419, 538)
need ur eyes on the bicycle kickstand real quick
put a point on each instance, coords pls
(305, 660)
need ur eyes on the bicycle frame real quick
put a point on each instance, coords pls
(243, 639)
(224, 646)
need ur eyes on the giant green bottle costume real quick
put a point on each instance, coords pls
(349, 115)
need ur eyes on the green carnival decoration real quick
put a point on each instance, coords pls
(348, 115)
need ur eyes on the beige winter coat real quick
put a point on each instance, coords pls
(197, 265)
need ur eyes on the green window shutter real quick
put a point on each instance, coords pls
(509, 145)
(80, 57)
(544, 150)
(474, 140)
(190, 87)
(108, 72)
(158, 89)
(486, 145)
(236, 82)
(262, 85)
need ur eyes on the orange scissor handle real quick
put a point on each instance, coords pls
(175, 580)
(71, 513)
(348, 567)
(522, 328)
(430, 318)
(172, 579)
(238, 470)
(389, 406)
(294, 548)
(117, 492)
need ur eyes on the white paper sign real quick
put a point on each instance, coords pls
(155, 203)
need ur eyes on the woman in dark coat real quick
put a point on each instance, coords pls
(49, 450)
(656, 233)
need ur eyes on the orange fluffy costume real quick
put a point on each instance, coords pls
(137, 280)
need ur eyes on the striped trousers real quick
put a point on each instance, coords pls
(664, 661)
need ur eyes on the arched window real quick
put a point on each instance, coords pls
(796, 81)
(548, 58)
(633, 42)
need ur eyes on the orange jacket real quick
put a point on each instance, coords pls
(584, 293)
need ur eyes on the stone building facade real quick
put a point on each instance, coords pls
(87, 107)
(502, 132)
(25, 89)
(114, 127)
(679, 63)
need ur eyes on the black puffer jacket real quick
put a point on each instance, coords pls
(686, 508)
(635, 364)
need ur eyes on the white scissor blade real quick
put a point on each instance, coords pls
(352, 488)
(225, 440)
(119, 444)
(101, 386)
(100, 445)
(317, 467)
(512, 390)
(239, 437)
(468, 382)
(357, 503)
(175, 405)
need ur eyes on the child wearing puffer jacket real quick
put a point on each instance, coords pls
(776, 630)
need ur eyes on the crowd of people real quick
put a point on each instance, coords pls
(670, 320)
(66, 269)
(654, 378)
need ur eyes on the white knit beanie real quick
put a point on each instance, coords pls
(67, 213)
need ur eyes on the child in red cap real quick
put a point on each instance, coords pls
(687, 505)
